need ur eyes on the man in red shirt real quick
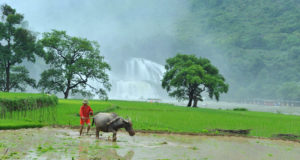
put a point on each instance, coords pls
(85, 112)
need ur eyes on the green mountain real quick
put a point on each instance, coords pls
(255, 43)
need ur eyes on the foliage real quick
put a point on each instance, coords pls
(16, 44)
(19, 79)
(289, 90)
(27, 106)
(187, 77)
(73, 63)
(257, 43)
(240, 109)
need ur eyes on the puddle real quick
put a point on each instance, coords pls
(59, 143)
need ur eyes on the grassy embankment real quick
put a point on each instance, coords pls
(20, 110)
(166, 117)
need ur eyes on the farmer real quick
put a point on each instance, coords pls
(85, 112)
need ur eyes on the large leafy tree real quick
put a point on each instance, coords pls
(187, 76)
(74, 62)
(16, 44)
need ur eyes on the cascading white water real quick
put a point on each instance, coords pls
(141, 79)
(144, 70)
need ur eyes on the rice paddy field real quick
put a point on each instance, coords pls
(65, 143)
(26, 110)
(148, 116)
(169, 131)
(165, 117)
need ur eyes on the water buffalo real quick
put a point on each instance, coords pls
(111, 122)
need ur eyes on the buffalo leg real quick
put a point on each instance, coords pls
(114, 136)
(97, 133)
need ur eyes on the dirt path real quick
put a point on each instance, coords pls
(59, 143)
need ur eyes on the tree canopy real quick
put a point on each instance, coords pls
(16, 44)
(74, 63)
(187, 76)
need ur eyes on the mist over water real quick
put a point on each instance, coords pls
(140, 80)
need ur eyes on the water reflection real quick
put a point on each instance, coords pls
(83, 149)
(108, 154)
(53, 143)
(97, 150)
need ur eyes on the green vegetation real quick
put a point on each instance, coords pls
(255, 44)
(187, 76)
(240, 109)
(73, 62)
(13, 96)
(30, 107)
(17, 44)
(170, 118)
(18, 124)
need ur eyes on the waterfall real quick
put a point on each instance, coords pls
(140, 79)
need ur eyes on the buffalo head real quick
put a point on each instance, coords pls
(128, 127)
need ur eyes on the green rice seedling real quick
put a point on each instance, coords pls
(20, 106)
(194, 148)
(111, 146)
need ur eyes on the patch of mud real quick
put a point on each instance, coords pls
(60, 143)
(230, 131)
(286, 136)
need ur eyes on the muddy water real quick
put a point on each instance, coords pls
(53, 143)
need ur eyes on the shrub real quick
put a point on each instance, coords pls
(240, 109)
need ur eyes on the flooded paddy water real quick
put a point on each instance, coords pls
(64, 143)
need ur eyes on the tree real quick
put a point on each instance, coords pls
(19, 79)
(187, 76)
(73, 63)
(16, 44)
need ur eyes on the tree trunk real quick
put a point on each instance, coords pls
(7, 70)
(66, 93)
(190, 102)
(191, 95)
(195, 102)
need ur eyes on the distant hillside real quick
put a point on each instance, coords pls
(256, 43)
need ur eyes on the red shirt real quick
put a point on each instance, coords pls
(85, 111)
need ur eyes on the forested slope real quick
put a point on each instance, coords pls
(256, 43)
